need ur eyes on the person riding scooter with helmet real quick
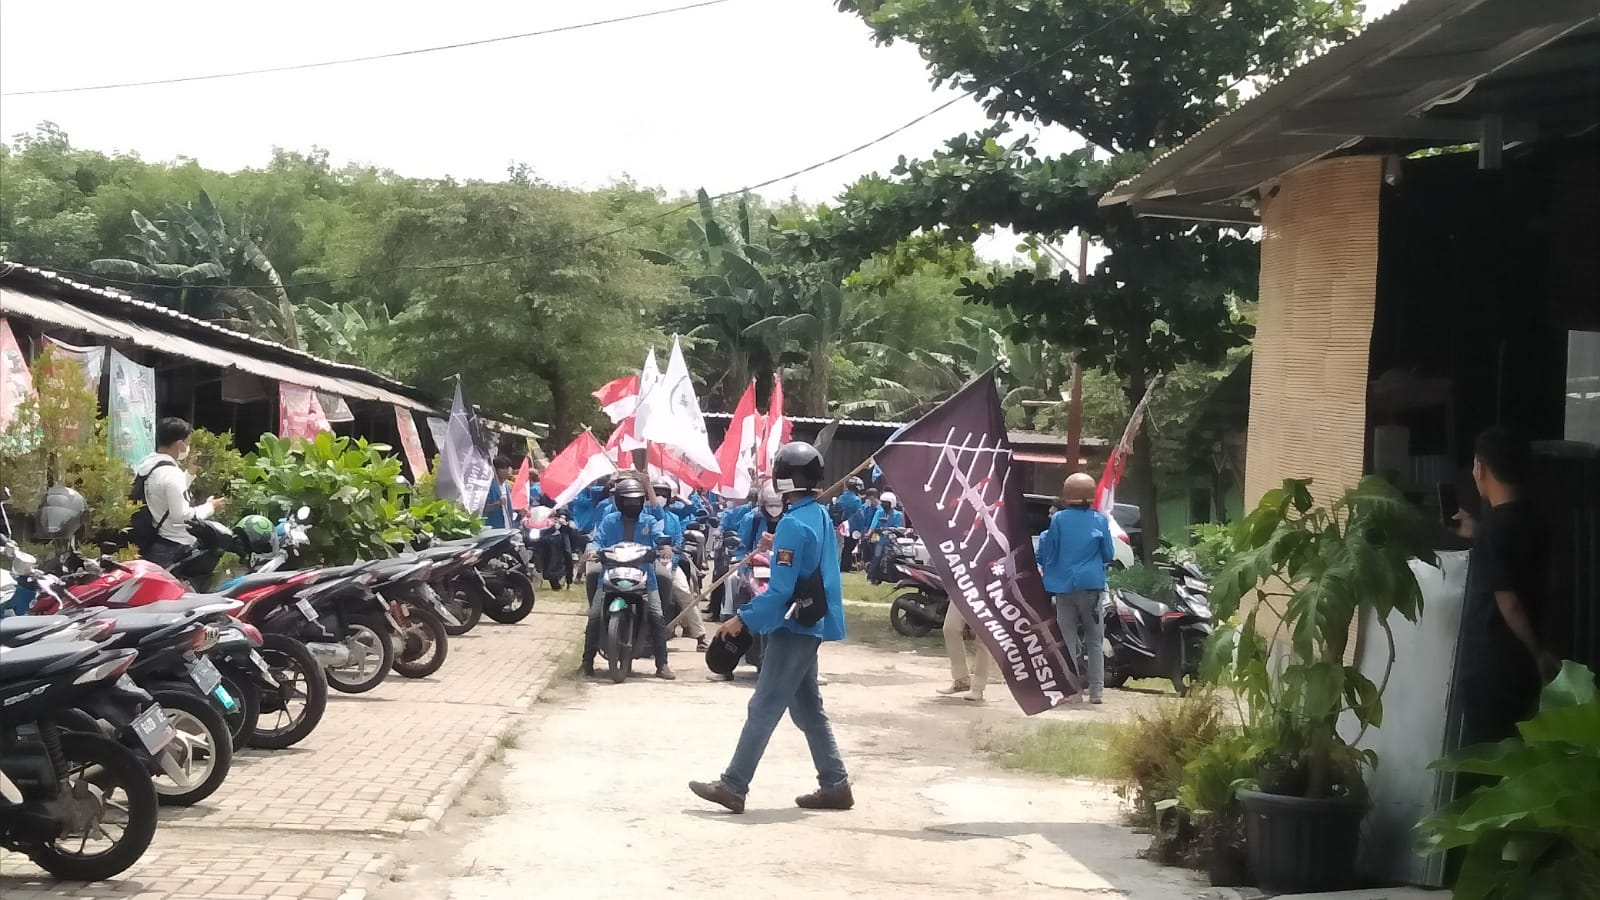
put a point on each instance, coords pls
(888, 516)
(631, 522)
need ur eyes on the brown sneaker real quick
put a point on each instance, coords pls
(665, 674)
(828, 798)
(956, 687)
(718, 793)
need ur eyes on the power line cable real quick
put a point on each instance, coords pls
(360, 59)
(578, 242)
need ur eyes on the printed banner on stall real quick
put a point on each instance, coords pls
(16, 382)
(133, 409)
(952, 471)
(411, 442)
(334, 408)
(91, 359)
(300, 415)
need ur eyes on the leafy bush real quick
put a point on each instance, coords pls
(1211, 546)
(1142, 580)
(1314, 569)
(352, 487)
(445, 520)
(1537, 832)
(217, 466)
(1151, 753)
(57, 437)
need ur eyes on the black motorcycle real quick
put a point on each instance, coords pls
(78, 804)
(1154, 639)
(625, 593)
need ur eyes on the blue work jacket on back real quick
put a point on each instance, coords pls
(848, 504)
(496, 507)
(859, 522)
(734, 518)
(804, 541)
(1074, 550)
(672, 527)
(647, 532)
(880, 519)
(751, 529)
(585, 509)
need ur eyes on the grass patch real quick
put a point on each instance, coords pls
(1064, 749)
(854, 586)
(869, 625)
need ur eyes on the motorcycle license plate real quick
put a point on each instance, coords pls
(307, 610)
(204, 674)
(618, 605)
(153, 729)
(260, 664)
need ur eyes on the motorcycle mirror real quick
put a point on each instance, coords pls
(303, 514)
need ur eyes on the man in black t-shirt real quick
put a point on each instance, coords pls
(1501, 663)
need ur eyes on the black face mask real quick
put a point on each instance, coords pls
(630, 506)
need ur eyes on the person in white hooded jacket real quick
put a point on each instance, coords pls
(166, 494)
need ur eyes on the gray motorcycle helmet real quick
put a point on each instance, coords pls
(62, 513)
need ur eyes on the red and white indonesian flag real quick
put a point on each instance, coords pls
(619, 398)
(575, 468)
(615, 450)
(669, 415)
(736, 458)
(1105, 493)
(778, 427)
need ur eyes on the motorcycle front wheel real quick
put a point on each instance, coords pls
(116, 815)
(909, 615)
(371, 656)
(619, 650)
(464, 604)
(196, 763)
(425, 643)
(290, 712)
(513, 597)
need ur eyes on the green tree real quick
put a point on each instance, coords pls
(1130, 79)
(534, 332)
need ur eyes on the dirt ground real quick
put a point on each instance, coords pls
(591, 800)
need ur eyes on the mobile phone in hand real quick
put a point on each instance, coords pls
(1449, 504)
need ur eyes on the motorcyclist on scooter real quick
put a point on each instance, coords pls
(888, 516)
(631, 522)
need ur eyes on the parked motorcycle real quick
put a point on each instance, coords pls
(920, 602)
(78, 804)
(506, 576)
(1147, 638)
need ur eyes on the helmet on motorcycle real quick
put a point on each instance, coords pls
(629, 495)
(770, 501)
(797, 468)
(854, 483)
(62, 512)
(888, 499)
(663, 491)
(255, 532)
(724, 652)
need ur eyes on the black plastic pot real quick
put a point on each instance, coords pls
(1299, 845)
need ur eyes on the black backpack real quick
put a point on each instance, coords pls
(143, 529)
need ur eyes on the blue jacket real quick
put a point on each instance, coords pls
(585, 509)
(672, 527)
(804, 541)
(733, 519)
(862, 518)
(494, 506)
(647, 532)
(1074, 550)
(849, 503)
(896, 519)
(751, 529)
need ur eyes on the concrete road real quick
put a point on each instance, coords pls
(593, 803)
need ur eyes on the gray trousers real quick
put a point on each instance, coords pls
(1076, 609)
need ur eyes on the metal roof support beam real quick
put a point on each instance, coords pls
(1194, 212)
(1402, 127)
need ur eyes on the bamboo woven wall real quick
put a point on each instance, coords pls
(1308, 387)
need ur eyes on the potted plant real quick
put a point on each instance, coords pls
(1312, 571)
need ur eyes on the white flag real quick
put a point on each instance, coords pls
(669, 413)
(648, 404)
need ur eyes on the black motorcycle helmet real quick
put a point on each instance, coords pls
(797, 469)
(855, 483)
(662, 488)
(629, 495)
(724, 652)
(62, 513)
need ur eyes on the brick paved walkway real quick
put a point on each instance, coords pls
(316, 822)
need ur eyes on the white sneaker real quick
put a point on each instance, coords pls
(974, 697)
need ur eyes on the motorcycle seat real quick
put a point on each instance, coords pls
(261, 579)
(188, 603)
(1144, 604)
(441, 551)
(342, 571)
(20, 630)
(17, 663)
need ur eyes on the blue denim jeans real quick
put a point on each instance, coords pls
(788, 682)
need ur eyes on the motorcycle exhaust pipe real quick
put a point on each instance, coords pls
(330, 655)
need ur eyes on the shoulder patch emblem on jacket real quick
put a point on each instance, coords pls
(785, 557)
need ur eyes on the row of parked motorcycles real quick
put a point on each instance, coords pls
(1144, 637)
(123, 689)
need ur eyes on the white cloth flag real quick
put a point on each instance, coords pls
(649, 385)
(669, 413)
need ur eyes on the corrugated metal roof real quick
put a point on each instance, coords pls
(1017, 438)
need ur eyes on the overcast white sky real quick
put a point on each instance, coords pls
(721, 97)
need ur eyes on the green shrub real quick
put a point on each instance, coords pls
(1210, 546)
(1142, 580)
(1152, 752)
(1535, 833)
(445, 520)
(352, 487)
(217, 466)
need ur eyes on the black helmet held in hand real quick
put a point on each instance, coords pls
(855, 483)
(797, 468)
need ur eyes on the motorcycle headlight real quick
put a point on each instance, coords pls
(1195, 584)
(625, 577)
